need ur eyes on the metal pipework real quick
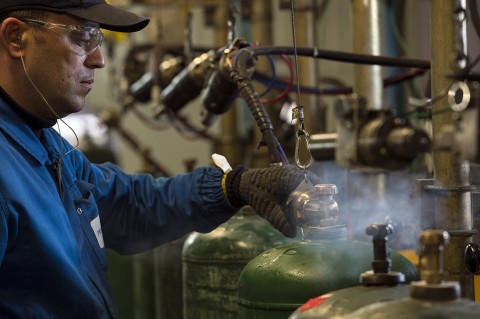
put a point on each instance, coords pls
(322, 146)
(368, 91)
(366, 39)
(375, 138)
(111, 118)
(141, 90)
(188, 84)
(451, 174)
(221, 90)
(390, 142)
(463, 138)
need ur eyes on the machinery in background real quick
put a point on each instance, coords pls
(462, 136)
(445, 201)
(187, 84)
(207, 75)
(375, 138)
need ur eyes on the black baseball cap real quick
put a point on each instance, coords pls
(107, 16)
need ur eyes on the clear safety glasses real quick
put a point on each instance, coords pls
(87, 38)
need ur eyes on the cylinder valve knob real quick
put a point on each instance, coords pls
(432, 286)
(381, 274)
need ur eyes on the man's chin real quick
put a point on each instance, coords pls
(75, 108)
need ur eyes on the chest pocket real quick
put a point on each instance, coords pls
(87, 211)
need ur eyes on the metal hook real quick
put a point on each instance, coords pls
(303, 157)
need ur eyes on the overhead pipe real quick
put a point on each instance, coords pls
(368, 86)
(366, 40)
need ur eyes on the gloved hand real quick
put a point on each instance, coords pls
(266, 190)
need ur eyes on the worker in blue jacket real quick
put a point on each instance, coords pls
(58, 211)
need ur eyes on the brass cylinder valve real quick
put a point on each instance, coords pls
(433, 286)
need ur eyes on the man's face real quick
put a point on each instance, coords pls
(61, 70)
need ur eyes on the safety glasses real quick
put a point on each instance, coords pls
(87, 38)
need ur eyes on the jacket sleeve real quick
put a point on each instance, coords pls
(139, 212)
(4, 233)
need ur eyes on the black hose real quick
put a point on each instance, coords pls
(392, 80)
(248, 92)
(342, 56)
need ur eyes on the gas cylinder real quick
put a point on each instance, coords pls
(432, 297)
(212, 263)
(278, 281)
(378, 284)
(168, 280)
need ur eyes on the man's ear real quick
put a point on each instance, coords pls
(11, 31)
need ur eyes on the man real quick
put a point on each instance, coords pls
(58, 211)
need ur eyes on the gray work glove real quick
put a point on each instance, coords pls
(266, 190)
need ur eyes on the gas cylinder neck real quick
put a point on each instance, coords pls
(315, 211)
(324, 233)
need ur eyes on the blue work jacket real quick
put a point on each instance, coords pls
(56, 221)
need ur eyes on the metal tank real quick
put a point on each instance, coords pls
(212, 263)
(280, 280)
(432, 297)
(168, 280)
(378, 284)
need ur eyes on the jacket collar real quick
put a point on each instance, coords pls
(15, 127)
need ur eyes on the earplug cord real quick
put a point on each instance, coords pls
(58, 163)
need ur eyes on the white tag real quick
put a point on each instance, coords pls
(221, 162)
(97, 229)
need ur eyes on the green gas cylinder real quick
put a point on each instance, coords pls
(212, 263)
(280, 280)
(432, 297)
(378, 284)
(168, 280)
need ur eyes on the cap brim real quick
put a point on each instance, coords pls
(111, 18)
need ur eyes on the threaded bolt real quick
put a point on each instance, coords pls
(381, 258)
